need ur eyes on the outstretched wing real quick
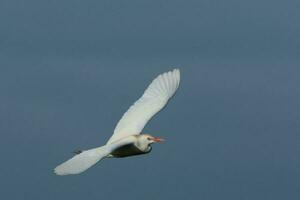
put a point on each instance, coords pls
(82, 161)
(153, 100)
(86, 159)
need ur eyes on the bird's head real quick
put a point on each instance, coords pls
(149, 139)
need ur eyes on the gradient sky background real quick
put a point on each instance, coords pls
(70, 69)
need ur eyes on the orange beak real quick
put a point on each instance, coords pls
(156, 139)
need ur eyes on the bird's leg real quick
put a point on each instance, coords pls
(77, 151)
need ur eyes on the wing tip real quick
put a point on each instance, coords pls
(171, 80)
(58, 172)
(176, 72)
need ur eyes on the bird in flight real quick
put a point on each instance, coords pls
(127, 139)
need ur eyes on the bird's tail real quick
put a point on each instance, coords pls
(82, 161)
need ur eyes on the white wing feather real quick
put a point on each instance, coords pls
(153, 100)
(88, 158)
(82, 161)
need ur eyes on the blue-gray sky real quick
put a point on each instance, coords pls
(70, 69)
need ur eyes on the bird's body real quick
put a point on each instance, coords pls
(131, 149)
(127, 139)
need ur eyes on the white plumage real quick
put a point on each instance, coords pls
(88, 158)
(82, 161)
(129, 127)
(153, 100)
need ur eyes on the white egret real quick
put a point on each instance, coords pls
(127, 139)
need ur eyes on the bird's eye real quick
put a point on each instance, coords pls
(148, 138)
